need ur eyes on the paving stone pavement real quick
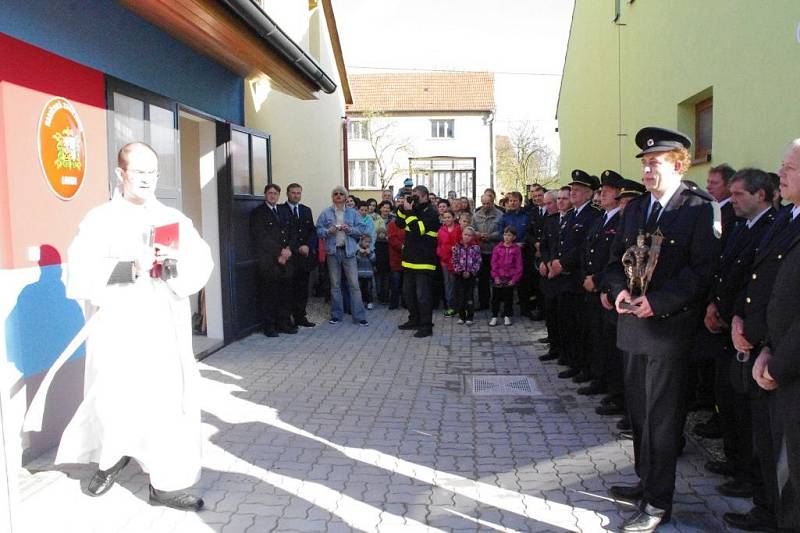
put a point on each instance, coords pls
(343, 428)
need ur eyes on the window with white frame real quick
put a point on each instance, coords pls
(358, 130)
(442, 128)
(363, 173)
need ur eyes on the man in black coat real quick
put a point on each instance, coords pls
(270, 234)
(599, 341)
(649, 325)
(751, 199)
(771, 302)
(566, 266)
(303, 244)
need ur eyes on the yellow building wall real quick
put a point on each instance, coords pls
(620, 77)
(306, 135)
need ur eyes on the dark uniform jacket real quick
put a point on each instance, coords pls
(421, 225)
(534, 231)
(270, 233)
(783, 320)
(735, 262)
(301, 231)
(570, 246)
(752, 304)
(598, 247)
(552, 227)
(679, 287)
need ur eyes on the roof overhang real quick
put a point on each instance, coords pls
(240, 36)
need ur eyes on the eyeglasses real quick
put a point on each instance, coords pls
(142, 173)
(337, 193)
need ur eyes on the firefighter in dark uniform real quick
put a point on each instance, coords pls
(419, 219)
(566, 266)
(601, 234)
(654, 333)
(614, 402)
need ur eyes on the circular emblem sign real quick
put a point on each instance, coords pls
(62, 148)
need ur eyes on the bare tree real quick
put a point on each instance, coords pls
(386, 145)
(523, 158)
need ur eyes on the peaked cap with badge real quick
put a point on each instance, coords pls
(630, 189)
(609, 178)
(655, 139)
(579, 177)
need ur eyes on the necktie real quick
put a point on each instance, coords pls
(605, 220)
(652, 220)
(294, 208)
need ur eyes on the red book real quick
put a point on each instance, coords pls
(168, 235)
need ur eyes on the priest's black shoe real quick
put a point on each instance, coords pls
(304, 322)
(568, 373)
(612, 398)
(549, 356)
(646, 520)
(711, 429)
(270, 333)
(723, 468)
(736, 488)
(423, 332)
(543, 340)
(176, 499)
(291, 330)
(583, 377)
(595, 387)
(406, 326)
(755, 520)
(103, 480)
(610, 409)
(625, 435)
(627, 492)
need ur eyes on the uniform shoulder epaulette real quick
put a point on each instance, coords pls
(597, 207)
(697, 191)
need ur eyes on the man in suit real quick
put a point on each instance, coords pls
(270, 234)
(303, 244)
(778, 365)
(557, 208)
(533, 234)
(751, 195)
(597, 342)
(655, 357)
(566, 266)
(765, 323)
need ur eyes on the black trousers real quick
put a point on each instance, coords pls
(274, 295)
(655, 394)
(299, 293)
(464, 295)
(418, 293)
(568, 325)
(551, 321)
(365, 284)
(596, 341)
(615, 375)
(485, 282)
(505, 296)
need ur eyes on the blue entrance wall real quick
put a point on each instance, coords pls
(108, 37)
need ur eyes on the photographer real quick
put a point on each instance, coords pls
(342, 227)
(420, 220)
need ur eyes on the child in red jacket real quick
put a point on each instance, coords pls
(449, 235)
(506, 273)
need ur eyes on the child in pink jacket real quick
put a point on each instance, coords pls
(506, 273)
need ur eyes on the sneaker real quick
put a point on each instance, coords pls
(507, 321)
(468, 322)
(363, 323)
(493, 321)
(370, 306)
(334, 320)
(460, 321)
(449, 313)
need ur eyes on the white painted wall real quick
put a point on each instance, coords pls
(306, 134)
(471, 139)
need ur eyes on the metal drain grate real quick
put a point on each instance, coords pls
(504, 386)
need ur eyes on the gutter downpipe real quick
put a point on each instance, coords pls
(345, 156)
(266, 28)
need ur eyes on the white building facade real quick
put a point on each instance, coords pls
(436, 128)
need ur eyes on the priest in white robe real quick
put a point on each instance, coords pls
(142, 383)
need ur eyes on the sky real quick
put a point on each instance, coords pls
(523, 41)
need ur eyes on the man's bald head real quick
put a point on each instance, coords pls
(124, 154)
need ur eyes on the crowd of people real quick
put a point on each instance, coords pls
(702, 326)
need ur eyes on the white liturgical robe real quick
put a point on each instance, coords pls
(141, 381)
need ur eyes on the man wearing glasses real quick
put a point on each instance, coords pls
(142, 384)
(342, 227)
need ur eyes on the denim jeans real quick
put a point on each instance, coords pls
(449, 280)
(337, 264)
